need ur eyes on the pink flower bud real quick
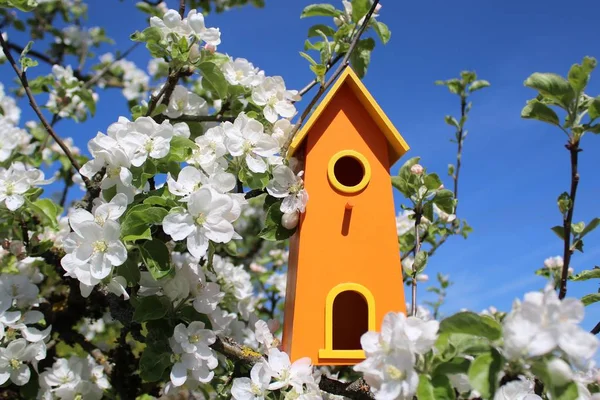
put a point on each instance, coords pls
(378, 8)
(211, 48)
(273, 325)
(290, 220)
(416, 169)
(254, 267)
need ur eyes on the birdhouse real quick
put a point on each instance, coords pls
(344, 271)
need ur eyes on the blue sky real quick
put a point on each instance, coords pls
(514, 169)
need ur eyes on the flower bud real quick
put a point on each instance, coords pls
(290, 220)
(560, 372)
(378, 8)
(254, 267)
(422, 278)
(194, 53)
(416, 169)
(210, 48)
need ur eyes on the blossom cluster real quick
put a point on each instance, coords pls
(23, 334)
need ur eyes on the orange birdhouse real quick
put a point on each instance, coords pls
(344, 269)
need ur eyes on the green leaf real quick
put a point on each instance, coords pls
(151, 308)
(136, 223)
(213, 79)
(564, 202)
(590, 299)
(594, 108)
(590, 227)
(450, 120)
(155, 256)
(536, 110)
(444, 199)
(456, 365)
(382, 31)
(361, 56)
(480, 84)
(46, 210)
(320, 10)
(420, 261)
(437, 388)
(483, 373)
(153, 364)
(433, 181)
(325, 29)
(472, 324)
(308, 58)
(88, 99)
(579, 74)
(360, 8)
(578, 227)
(130, 269)
(587, 274)
(27, 62)
(181, 149)
(150, 34)
(551, 85)
(273, 231)
(560, 231)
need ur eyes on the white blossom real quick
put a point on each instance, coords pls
(13, 361)
(183, 101)
(241, 72)
(204, 220)
(285, 184)
(286, 373)
(255, 387)
(542, 323)
(191, 352)
(16, 181)
(245, 137)
(275, 98)
(517, 390)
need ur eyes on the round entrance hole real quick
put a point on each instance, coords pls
(349, 171)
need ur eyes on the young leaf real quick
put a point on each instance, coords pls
(273, 231)
(483, 373)
(587, 274)
(590, 299)
(549, 84)
(137, 221)
(536, 110)
(320, 10)
(325, 29)
(590, 227)
(308, 58)
(360, 8)
(361, 56)
(151, 308)
(382, 31)
(472, 324)
(480, 84)
(579, 74)
(213, 79)
(594, 108)
(155, 255)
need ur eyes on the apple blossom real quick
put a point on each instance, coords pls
(245, 137)
(275, 98)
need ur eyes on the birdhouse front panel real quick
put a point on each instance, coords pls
(344, 269)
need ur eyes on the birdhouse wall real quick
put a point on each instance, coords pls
(335, 245)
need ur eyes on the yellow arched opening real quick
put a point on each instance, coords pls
(345, 354)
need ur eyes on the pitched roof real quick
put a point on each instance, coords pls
(397, 144)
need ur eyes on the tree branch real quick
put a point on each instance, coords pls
(23, 78)
(202, 118)
(573, 147)
(36, 54)
(332, 78)
(181, 7)
(358, 390)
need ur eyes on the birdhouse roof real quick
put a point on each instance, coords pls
(397, 145)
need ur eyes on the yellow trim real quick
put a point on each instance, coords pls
(398, 145)
(366, 170)
(328, 351)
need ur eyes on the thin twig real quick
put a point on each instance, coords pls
(181, 7)
(202, 118)
(463, 108)
(595, 330)
(414, 272)
(332, 78)
(573, 147)
(23, 78)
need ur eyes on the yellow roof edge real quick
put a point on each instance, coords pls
(397, 143)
